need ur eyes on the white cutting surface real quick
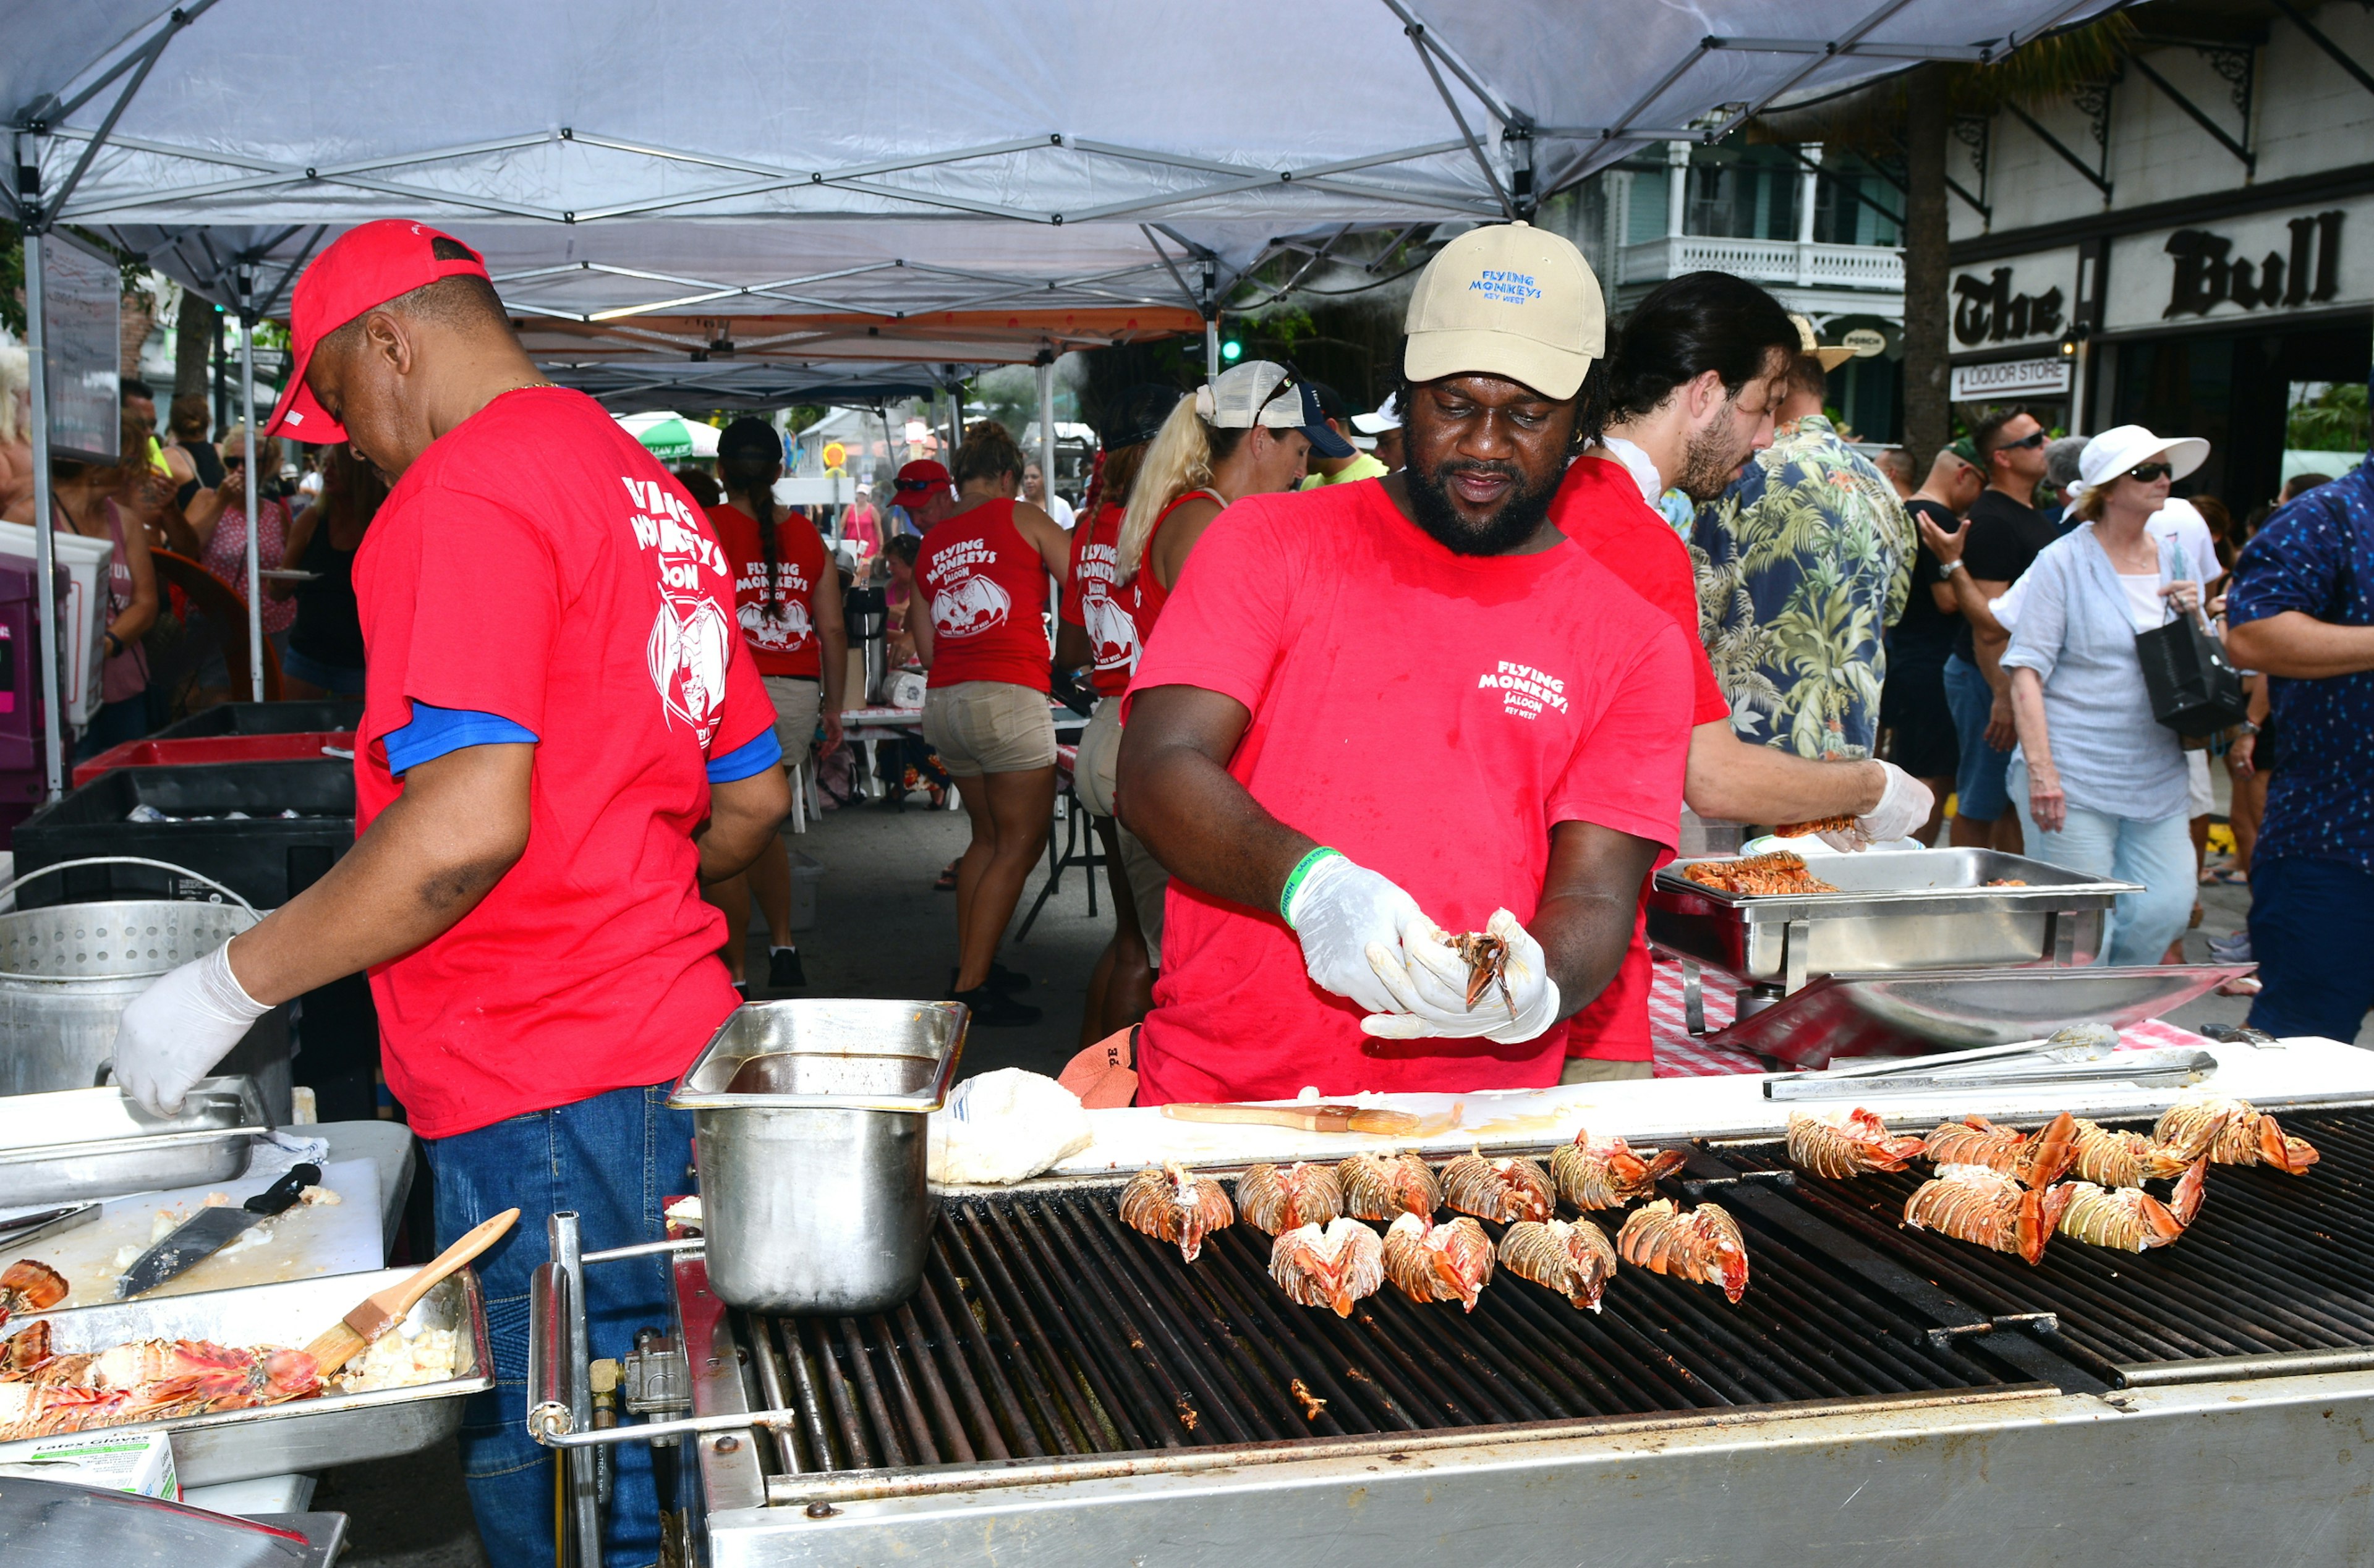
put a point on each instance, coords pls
(307, 1241)
(1645, 1111)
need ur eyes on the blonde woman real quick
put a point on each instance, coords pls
(1249, 432)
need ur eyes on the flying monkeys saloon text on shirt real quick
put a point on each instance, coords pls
(582, 600)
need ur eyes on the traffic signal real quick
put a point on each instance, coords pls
(1231, 350)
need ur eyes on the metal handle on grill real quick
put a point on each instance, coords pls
(547, 1353)
(2035, 1322)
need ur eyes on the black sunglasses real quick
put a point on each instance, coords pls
(2035, 439)
(2149, 472)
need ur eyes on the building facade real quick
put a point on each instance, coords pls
(2188, 245)
(1823, 234)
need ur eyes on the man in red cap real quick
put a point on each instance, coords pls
(925, 493)
(561, 733)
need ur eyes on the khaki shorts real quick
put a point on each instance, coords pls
(1092, 780)
(798, 704)
(989, 727)
(1590, 1069)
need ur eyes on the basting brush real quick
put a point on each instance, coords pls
(377, 1314)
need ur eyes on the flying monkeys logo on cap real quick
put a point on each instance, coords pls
(1505, 288)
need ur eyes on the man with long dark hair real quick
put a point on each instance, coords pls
(1378, 713)
(1689, 395)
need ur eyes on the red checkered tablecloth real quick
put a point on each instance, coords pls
(1680, 1054)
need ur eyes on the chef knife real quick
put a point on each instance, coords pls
(209, 1230)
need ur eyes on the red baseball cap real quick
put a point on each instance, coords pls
(367, 266)
(918, 477)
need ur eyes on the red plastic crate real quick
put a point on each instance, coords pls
(302, 747)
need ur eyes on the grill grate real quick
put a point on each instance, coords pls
(1045, 1328)
(2274, 1264)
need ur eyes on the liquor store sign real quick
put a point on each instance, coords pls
(2258, 267)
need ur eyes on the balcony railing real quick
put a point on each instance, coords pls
(1877, 267)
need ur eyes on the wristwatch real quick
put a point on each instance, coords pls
(1946, 569)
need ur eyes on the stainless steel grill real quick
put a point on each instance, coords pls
(1045, 1328)
(1068, 1385)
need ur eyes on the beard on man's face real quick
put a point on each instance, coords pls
(1711, 461)
(1515, 519)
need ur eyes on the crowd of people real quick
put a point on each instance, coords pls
(1945, 651)
(172, 509)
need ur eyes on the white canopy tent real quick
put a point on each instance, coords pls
(780, 157)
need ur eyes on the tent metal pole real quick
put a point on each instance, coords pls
(1212, 345)
(254, 562)
(44, 518)
(1047, 427)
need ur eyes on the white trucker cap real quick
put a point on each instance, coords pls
(1256, 393)
(1508, 299)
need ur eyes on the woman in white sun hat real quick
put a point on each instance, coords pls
(2101, 787)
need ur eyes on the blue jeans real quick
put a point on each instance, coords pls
(615, 1159)
(2156, 854)
(1979, 780)
(2312, 932)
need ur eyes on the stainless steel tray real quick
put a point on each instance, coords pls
(1894, 911)
(1851, 1015)
(305, 1434)
(78, 1143)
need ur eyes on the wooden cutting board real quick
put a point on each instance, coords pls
(307, 1241)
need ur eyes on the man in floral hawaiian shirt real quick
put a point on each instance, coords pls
(1803, 565)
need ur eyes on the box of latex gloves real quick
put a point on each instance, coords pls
(140, 1463)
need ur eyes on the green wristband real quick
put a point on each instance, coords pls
(1293, 880)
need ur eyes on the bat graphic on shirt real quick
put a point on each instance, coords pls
(969, 608)
(687, 659)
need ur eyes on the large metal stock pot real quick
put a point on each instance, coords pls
(810, 1117)
(68, 971)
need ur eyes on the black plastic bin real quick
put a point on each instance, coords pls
(266, 859)
(266, 718)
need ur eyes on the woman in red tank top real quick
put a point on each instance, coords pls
(1241, 435)
(787, 601)
(977, 615)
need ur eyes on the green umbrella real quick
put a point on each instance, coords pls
(671, 437)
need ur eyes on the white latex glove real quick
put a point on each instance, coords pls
(1903, 806)
(1338, 912)
(179, 1028)
(1429, 980)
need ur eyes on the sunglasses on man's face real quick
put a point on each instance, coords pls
(2035, 438)
(2150, 472)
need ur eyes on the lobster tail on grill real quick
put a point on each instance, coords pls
(1703, 1245)
(1575, 1260)
(1503, 1191)
(1335, 1267)
(1378, 1186)
(1429, 1262)
(1607, 1173)
(1276, 1201)
(1174, 1204)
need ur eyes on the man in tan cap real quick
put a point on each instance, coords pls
(1371, 717)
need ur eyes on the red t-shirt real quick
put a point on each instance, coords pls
(538, 564)
(1090, 604)
(1431, 715)
(986, 586)
(785, 642)
(1600, 507)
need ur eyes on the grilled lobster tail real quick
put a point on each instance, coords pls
(1378, 1186)
(1174, 1204)
(1503, 1191)
(1333, 1268)
(1276, 1201)
(1575, 1260)
(1702, 1245)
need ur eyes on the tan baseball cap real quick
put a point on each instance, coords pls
(1809, 342)
(1508, 299)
